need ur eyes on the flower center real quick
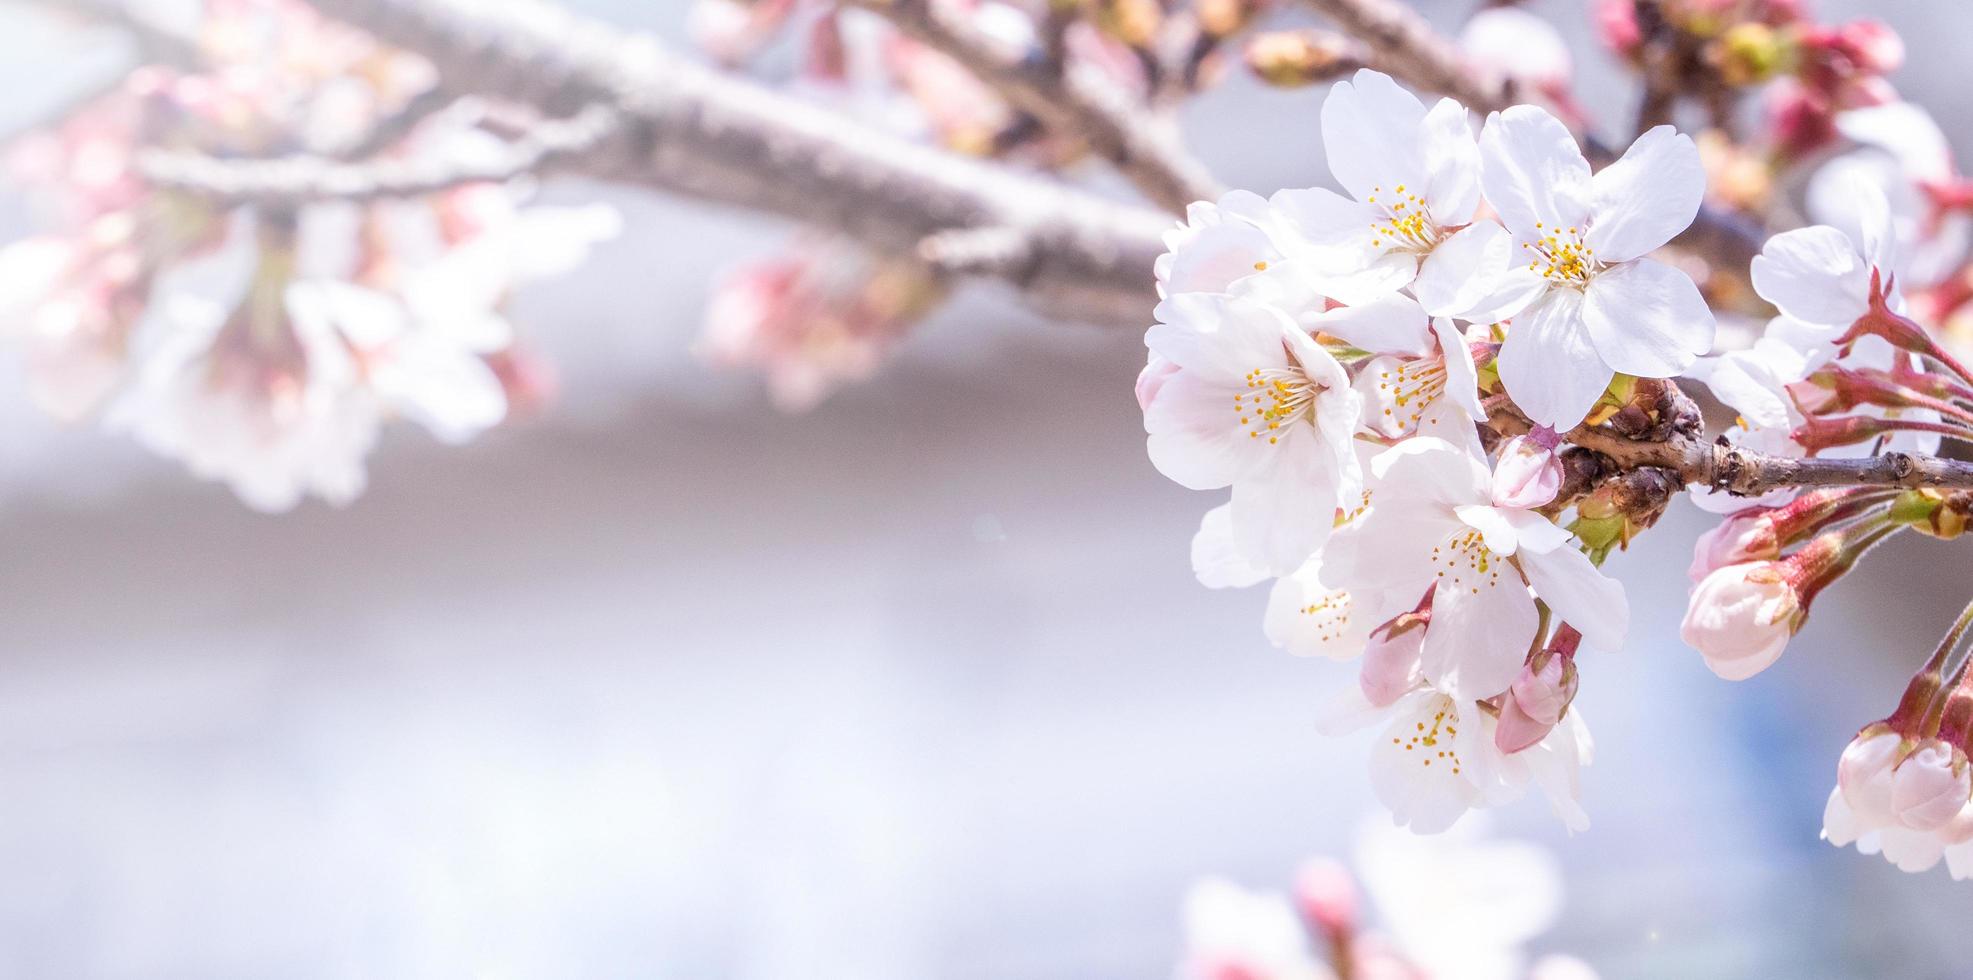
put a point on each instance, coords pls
(1466, 563)
(1274, 397)
(1561, 257)
(1407, 226)
(1432, 741)
(1408, 389)
(1330, 615)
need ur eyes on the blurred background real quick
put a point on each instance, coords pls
(663, 683)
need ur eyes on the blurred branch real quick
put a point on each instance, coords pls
(1408, 47)
(1072, 105)
(300, 179)
(690, 130)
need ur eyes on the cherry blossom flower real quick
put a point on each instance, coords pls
(1589, 304)
(1460, 904)
(1256, 404)
(1433, 526)
(1412, 177)
(1902, 152)
(1528, 474)
(1423, 380)
(1217, 245)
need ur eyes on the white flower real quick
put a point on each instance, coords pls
(1588, 304)
(1310, 617)
(1258, 405)
(1741, 617)
(1754, 383)
(1433, 526)
(1216, 246)
(1423, 381)
(1233, 932)
(1412, 177)
(1436, 758)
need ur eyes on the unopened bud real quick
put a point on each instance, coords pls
(1742, 537)
(1930, 511)
(1291, 59)
(1749, 53)
(1134, 22)
(1528, 474)
(1221, 18)
(1863, 774)
(1930, 786)
(1327, 896)
(1391, 666)
(1872, 46)
(1741, 617)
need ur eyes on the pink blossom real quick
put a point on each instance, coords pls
(1741, 617)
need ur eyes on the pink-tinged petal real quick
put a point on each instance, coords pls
(1556, 763)
(1532, 170)
(1580, 594)
(1464, 270)
(1638, 203)
(1647, 319)
(1193, 436)
(1549, 365)
(1216, 560)
(1814, 274)
(1214, 257)
(1392, 323)
(1370, 130)
(1452, 163)
(1217, 336)
(1480, 633)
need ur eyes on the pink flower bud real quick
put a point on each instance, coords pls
(1391, 665)
(1930, 786)
(1863, 774)
(1528, 474)
(1326, 894)
(1740, 618)
(1544, 694)
(1616, 25)
(1742, 537)
(1517, 729)
(1157, 370)
(1872, 46)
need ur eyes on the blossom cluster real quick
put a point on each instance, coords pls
(266, 346)
(1329, 358)
(1460, 905)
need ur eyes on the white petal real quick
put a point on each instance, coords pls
(1507, 295)
(1393, 323)
(1424, 785)
(1532, 170)
(1193, 437)
(1452, 160)
(1462, 271)
(1216, 560)
(1480, 632)
(1647, 319)
(1814, 274)
(1310, 618)
(1493, 525)
(1215, 257)
(1638, 203)
(1549, 365)
(1370, 130)
(1284, 510)
(1581, 595)
(1462, 385)
(1217, 336)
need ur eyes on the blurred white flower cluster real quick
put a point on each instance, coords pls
(1459, 905)
(265, 347)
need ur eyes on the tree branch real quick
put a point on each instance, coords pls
(690, 130)
(1071, 104)
(288, 181)
(1410, 49)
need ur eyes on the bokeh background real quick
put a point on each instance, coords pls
(662, 683)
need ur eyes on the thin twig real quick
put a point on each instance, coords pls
(1071, 104)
